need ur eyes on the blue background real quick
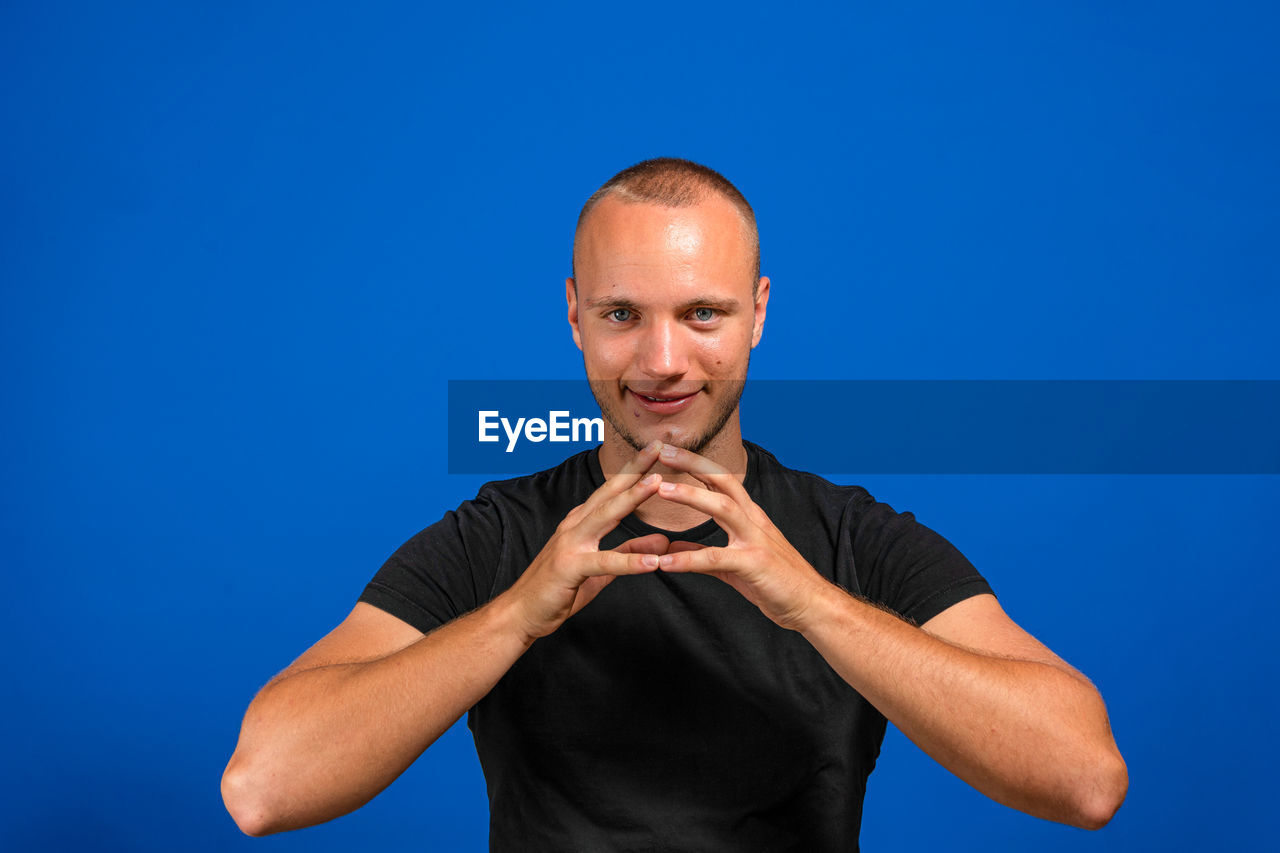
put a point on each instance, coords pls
(245, 245)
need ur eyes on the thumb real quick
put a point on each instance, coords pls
(654, 543)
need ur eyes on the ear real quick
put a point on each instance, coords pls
(761, 309)
(571, 297)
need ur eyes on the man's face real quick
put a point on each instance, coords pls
(665, 318)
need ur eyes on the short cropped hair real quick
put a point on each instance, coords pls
(672, 182)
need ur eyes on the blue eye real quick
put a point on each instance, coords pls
(620, 315)
(704, 314)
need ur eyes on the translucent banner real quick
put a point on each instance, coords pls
(913, 426)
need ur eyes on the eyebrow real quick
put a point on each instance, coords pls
(726, 305)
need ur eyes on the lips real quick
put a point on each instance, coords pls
(662, 403)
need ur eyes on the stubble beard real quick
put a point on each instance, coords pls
(696, 445)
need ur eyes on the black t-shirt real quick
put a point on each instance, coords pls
(669, 713)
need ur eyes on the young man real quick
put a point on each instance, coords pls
(674, 642)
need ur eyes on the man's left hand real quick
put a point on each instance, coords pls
(758, 562)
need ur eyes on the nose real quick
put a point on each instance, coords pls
(663, 352)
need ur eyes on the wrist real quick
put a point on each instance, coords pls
(835, 615)
(822, 601)
(506, 619)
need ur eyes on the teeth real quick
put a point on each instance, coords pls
(653, 399)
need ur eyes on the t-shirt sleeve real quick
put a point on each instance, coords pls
(906, 566)
(443, 571)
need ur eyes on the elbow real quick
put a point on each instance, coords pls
(1104, 794)
(243, 795)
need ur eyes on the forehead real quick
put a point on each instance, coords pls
(622, 238)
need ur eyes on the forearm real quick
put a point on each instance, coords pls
(1028, 734)
(320, 743)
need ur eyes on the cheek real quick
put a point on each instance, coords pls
(724, 350)
(603, 352)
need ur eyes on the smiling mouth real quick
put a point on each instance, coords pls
(669, 398)
(663, 404)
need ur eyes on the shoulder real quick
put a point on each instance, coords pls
(554, 490)
(501, 507)
(526, 508)
(457, 563)
(786, 487)
(885, 555)
(820, 519)
(773, 483)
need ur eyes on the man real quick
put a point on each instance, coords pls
(673, 642)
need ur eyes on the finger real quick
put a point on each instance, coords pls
(724, 509)
(628, 475)
(654, 543)
(634, 468)
(700, 560)
(591, 587)
(605, 516)
(711, 474)
(616, 563)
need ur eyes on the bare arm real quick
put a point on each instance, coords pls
(1001, 711)
(971, 688)
(341, 723)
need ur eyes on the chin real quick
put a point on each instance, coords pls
(683, 439)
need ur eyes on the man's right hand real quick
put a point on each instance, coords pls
(571, 569)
